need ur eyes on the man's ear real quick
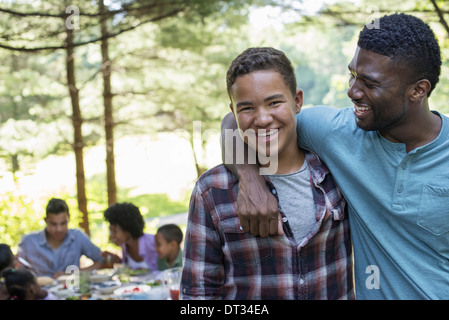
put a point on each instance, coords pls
(420, 89)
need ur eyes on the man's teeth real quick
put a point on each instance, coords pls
(264, 133)
(360, 108)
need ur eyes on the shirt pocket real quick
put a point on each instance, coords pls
(433, 214)
(243, 248)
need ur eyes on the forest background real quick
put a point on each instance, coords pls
(108, 101)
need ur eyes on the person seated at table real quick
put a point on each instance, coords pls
(21, 284)
(126, 229)
(7, 261)
(168, 246)
(52, 250)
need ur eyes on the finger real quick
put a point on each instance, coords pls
(280, 226)
(273, 226)
(264, 228)
(254, 227)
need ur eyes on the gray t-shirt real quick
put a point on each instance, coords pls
(296, 200)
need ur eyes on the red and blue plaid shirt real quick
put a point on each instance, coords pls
(223, 262)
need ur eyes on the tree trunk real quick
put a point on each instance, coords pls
(108, 112)
(78, 143)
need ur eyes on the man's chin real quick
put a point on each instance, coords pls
(365, 126)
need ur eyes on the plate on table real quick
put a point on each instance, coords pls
(62, 291)
(133, 292)
(106, 287)
(101, 275)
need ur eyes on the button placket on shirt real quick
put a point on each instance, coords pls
(402, 173)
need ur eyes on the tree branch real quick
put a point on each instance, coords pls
(441, 16)
(65, 46)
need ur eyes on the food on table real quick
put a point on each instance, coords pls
(45, 281)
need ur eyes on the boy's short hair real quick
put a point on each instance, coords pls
(56, 206)
(171, 232)
(260, 59)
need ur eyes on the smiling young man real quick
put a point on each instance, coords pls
(389, 155)
(52, 250)
(312, 259)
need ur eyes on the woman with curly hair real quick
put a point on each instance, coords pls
(126, 229)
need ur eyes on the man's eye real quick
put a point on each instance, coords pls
(351, 79)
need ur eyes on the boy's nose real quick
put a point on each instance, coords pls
(263, 118)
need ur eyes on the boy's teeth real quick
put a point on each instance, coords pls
(267, 133)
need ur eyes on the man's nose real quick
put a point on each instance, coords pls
(354, 91)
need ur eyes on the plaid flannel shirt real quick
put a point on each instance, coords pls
(223, 262)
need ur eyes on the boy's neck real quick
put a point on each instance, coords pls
(172, 257)
(290, 161)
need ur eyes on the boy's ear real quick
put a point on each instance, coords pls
(173, 244)
(298, 100)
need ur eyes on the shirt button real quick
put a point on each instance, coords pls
(301, 281)
(400, 189)
(273, 191)
(404, 166)
(284, 219)
(399, 148)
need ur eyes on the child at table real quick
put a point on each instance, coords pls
(22, 285)
(7, 260)
(168, 246)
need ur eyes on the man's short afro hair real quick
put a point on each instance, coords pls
(409, 42)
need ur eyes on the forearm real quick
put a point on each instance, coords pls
(257, 207)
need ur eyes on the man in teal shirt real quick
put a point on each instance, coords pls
(390, 157)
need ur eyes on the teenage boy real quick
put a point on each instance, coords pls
(312, 260)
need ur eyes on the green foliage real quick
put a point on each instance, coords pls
(17, 217)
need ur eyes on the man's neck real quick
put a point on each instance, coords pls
(52, 242)
(419, 132)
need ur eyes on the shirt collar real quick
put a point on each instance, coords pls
(318, 169)
(42, 238)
